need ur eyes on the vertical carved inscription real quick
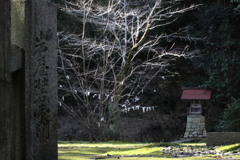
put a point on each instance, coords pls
(41, 85)
(41, 80)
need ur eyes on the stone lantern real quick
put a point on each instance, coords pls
(195, 127)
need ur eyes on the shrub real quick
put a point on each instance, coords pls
(231, 118)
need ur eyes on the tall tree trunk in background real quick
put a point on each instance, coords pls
(103, 70)
(114, 117)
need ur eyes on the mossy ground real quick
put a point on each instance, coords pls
(229, 148)
(131, 151)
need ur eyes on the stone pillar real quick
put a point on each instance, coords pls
(195, 127)
(18, 82)
(5, 81)
(41, 80)
(28, 80)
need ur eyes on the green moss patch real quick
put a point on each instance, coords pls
(139, 151)
(228, 148)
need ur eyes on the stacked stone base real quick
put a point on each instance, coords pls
(195, 127)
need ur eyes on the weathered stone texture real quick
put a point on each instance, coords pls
(222, 138)
(28, 80)
(195, 127)
(5, 35)
(16, 58)
(5, 82)
(18, 22)
(41, 80)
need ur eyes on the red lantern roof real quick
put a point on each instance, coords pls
(195, 93)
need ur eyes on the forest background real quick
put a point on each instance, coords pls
(194, 44)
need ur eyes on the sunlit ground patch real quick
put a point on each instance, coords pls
(144, 151)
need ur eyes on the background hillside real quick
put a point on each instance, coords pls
(201, 50)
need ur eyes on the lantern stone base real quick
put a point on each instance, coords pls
(195, 127)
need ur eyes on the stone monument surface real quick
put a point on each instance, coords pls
(28, 80)
(41, 79)
(195, 126)
(5, 85)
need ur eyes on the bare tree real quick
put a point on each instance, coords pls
(98, 73)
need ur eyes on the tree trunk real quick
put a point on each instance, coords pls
(90, 135)
(114, 117)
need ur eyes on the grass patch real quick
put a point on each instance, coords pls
(229, 148)
(138, 151)
(110, 144)
(86, 150)
(75, 150)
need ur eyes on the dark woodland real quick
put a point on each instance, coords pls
(115, 91)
